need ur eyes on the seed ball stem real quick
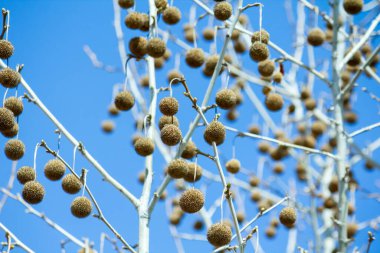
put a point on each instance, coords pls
(81, 207)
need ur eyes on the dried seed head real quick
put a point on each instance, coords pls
(239, 46)
(232, 114)
(334, 184)
(259, 51)
(235, 35)
(14, 149)
(125, 4)
(254, 181)
(71, 184)
(316, 37)
(256, 196)
(329, 203)
(243, 19)
(191, 35)
(144, 22)
(124, 101)
(318, 128)
(278, 168)
(350, 117)
(33, 192)
(264, 37)
(10, 133)
(189, 151)
(264, 147)
(274, 102)
(211, 63)
(266, 68)
(219, 234)
(352, 229)
(274, 223)
(226, 99)
(6, 49)
(193, 170)
(270, 232)
(159, 62)
(215, 132)
(208, 34)
(195, 57)
(54, 169)
(167, 54)
(108, 126)
(169, 106)
(198, 225)
(191, 201)
(81, 207)
(144, 81)
(165, 120)
(112, 110)
(222, 11)
(266, 89)
(144, 146)
(9, 78)
(171, 135)
(240, 217)
(277, 77)
(26, 174)
(288, 216)
(310, 104)
(156, 47)
(233, 166)
(355, 59)
(305, 93)
(174, 74)
(171, 15)
(351, 209)
(254, 129)
(177, 168)
(137, 46)
(6, 119)
(161, 4)
(141, 177)
(133, 20)
(366, 49)
(353, 6)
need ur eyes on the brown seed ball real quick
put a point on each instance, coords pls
(219, 234)
(33, 192)
(278, 168)
(71, 184)
(144, 22)
(198, 225)
(174, 74)
(156, 47)
(333, 185)
(310, 104)
(288, 216)
(81, 207)
(6, 119)
(108, 126)
(141, 177)
(191, 201)
(259, 51)
(305, 93)
(277, 77)
(211, 63)
(274, 223)
(235, 35)
(133, 20)
(318, 128)
(9, 78)
(190, 36)
(189, 151)
(124, 101)
(274, 102)
(144, 146)
(215, 132)
(26, 174)
(352, 229)
(167, 54)
(112, 110)
(256, 196)
(137, 46)
(355, 59)
(10, 133)
(351, 209)
(125, 4)
(350, 117)
(171, 135)
(193, 170)
(165, 120)
(329, 34)
(266, 68)
(254, 181)
(353, 6)
(309, 141)
(232, 114)
(208, 34)
(169, 106)
(239, 46)
(264, 147)
(6, 49)
(159, 62)
(264, 37)
(254, 129)
(144, 81)
(171, 15)
(174, 219)
(222, 11)
(14, 149)
(366, 49)
(195, 57)
(54, 169)
(233, 166)
(177, 168)
(270, 232)
(316, 37)
(161, 4)
(240, 217)
(226, 98)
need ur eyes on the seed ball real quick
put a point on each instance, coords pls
(194, 173)
(165, 120)
(222, 11)
(270, 232)
(112, 110)
(240, 217)
(125, 4)
(137, 46)
(254, 181)
(215, 132)
(167, 54)
(33, 192)
(266, 68)
(54, 169)
(191, 201)
(254, 129)
(141, 177)
(189, 151)
(366, 49)
(6, 49)
(208, 34)
(14, 149)
(108, 126)
(174, 219)
(144, 22)
(195, 57)
(318, 128)
(233, 166)
(177, 168)
(26, 174)
(305, 93)
(10, 133)
(133, 20)
(353, 6)
(369, 165)
(124, 101)
(226, 99)
(277, 77)
(329, 34)
(6, 119)
(169, 106)
(219, 234)
(198, 225)
(144, 146)
(274, 102)
(171, 135)
(156, 47)
(310, 104)
(350, 117)
(190, 36)
(259, 51)
(264, 147)
(232, 114)
(333, 185)
(256, 196)
(316, 37)
(274, 223)
(288, 216)
(161, 4)
(81, 207)
(159, 62)
(211, 63)
(71, 184)
(352, 229)
(239, 46)
(355, 59)
(264, 37)
(351, 209)
(235, 35)
(278, 168)
(174, 74)
(9, 78)
(171, 15)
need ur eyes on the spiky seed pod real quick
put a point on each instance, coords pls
(211, 63)
(144, 146)
(171, 135)
(174, 74)
(137, 46)
(366, 49)
(144, 22)
(259, 51)
(225, 99)
(177, 168)
(274, 102)
(310, 104)
(161, 4)
(9, 78)
(318, 128)
(54, 169)
(352, 229)
(233, 166)
(355, 59)
(71, 184)
(156, 47)
(277, 77)
(194, 173)
(333, 185)
(270, 232)
(288, 216)
(235, 35)
(144, 81)
(351, 209)
(124, 101)
(190, 36)
(14, 149)
(240, 217)
(81, 207)
(169, 106)
(266, 68)
(232, 114)
(215, 132)
(108, 126)
(316, 37)
(125, 4)
(350, 117)
(208, 34)
(195, 57)
(191, 201)
(6, 119)
(305, 93)
(264, 147)
(278, 168)
(219, 234)
(133, 20)
(159, 62)
(254, 181)
(112, 110)
(239, 46)
(198, 225)
(10, 133)
(26, 174)
(165, 120)
(189, 151)
(274, 223)
(256, 196)
(141, 177)
(353, 6)
(171, 15)
(222, 11)
(6, 49)
(264, 37)
(33, 192)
